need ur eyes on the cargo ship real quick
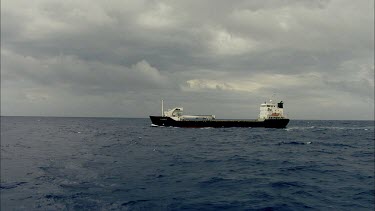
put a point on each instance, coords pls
(271, 116)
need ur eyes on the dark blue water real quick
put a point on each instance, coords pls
(124, 164)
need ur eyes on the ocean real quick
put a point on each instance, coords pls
(51, 163)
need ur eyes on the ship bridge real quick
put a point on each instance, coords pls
(271, 110)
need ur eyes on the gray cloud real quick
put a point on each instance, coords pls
(118, 59)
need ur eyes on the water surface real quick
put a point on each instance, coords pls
(124, 164)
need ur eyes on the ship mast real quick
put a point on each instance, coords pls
(162, 107)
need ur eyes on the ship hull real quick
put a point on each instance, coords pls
(169, 122)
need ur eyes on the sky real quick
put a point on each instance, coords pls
(119, 58)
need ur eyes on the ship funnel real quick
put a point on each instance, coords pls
(280, 105)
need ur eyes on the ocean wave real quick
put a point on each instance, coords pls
(294, 143)
(324, 128)
(11, 185)
(283, 184)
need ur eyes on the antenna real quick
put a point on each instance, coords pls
(162, 107)
(272, 97)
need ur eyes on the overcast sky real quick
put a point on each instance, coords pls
(119, 58)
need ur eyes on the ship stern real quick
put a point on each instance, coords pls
(276, 123)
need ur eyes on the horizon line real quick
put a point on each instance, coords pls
(148, 117)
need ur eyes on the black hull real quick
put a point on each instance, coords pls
(169, 122)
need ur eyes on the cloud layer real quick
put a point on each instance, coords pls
(119, 58)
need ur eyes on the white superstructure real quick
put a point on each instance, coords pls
(270, 110)
(176, 114)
